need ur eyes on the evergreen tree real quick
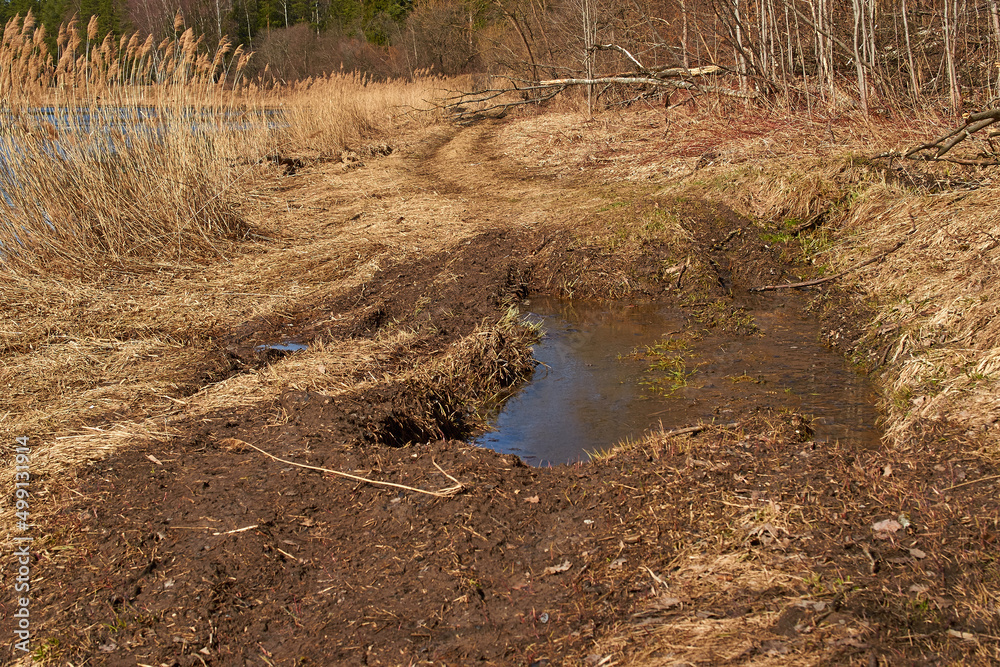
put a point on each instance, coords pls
(110, 16)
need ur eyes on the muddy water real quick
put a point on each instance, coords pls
(591, 391)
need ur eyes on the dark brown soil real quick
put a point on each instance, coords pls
(202, 550)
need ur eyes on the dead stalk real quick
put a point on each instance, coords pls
(443, 493)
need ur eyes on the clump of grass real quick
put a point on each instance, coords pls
(723, 316)
(668, 371)
(484, 367)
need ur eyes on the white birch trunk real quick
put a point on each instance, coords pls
(858, 66)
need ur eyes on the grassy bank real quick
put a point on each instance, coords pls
(929, 332)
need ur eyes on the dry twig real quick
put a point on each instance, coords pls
(443, 493)
(820, 281)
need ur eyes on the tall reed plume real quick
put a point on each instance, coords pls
(130, 152)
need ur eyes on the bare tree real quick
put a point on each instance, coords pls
(914, 83)
(948, 23)
(995, 21)
(859, 38)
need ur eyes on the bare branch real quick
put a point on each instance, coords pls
(690, 71)
(469, 107)
(651, 81)
(973, 123)
(615, 47)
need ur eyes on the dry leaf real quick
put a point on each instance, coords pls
(886, 526)
(917, 553)
(153, 459)
(666, 602)
(533, 500)
(556, 569)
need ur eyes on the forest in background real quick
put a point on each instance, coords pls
(869, 54)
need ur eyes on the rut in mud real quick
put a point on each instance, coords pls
(744, 544)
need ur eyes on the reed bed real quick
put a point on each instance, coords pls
(135, 154)
(117, 153)
(325, 115)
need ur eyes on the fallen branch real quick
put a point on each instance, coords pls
(469, 107)
(689, 71)
(688, 430)
(651, 80)
(972, 481)
(443, 493)
(941, 146)
(820, 281)
(705, 70)
(237, 530)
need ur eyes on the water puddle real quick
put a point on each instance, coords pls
(591, 391)
(287, 348)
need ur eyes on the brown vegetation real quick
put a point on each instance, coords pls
(135, 361)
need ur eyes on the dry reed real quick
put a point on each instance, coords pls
(131, 153)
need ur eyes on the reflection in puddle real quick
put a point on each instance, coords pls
(587, 393)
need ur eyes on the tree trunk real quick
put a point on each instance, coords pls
(914, 83)
(524, 39)
(995, 16)
(588, 50)
(684, 35)
(802, 61)
(858, 66)
(948, 25)
(740, 58)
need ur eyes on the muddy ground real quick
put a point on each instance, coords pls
(746, 544)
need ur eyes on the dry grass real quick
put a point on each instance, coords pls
(328, 114)
(938, 305)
